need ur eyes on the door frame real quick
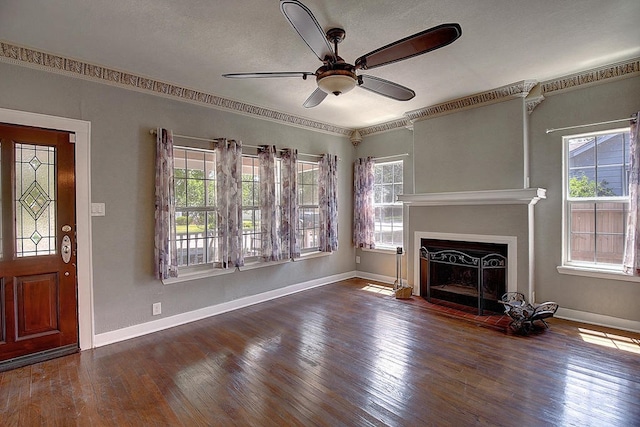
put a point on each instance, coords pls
(82, 131)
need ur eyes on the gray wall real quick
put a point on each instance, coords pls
(615, 100)
(482, 149)
(122, 177)
(382, 264)
(476, 149)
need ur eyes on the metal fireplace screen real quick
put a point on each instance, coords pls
(474, 278)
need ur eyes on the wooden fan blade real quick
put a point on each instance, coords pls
(315, 98)
(417, 44)
(386, 88)
(305, 24)
(268, 75)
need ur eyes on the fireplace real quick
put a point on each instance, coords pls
(496, 216)
(464, 272)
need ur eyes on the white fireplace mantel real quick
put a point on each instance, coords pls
(528, 196)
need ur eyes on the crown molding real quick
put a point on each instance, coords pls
(404, 122)
(504, 93)
(32, 58)
(37, 59)
(623, 69)
(619, 70)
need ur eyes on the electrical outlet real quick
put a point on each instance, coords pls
(157, 308)
(357, 260)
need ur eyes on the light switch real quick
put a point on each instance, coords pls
(97, 209)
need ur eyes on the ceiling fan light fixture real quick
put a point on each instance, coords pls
(336, 82)
(336, 76)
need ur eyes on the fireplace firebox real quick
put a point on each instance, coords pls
(468, 273)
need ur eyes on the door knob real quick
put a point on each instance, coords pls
(65, 249)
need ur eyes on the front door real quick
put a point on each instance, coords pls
(37, 246)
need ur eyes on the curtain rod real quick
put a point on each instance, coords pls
(632, 118)
(390, 157)
(196, 138)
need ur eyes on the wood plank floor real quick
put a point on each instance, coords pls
(337, 356)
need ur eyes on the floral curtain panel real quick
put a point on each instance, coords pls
(363, 212)
(289, 205)
(270, 244)
(166, 260)
(328, 200)
(631, 260)
(229, 202)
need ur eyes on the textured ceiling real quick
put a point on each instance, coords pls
(192, 42)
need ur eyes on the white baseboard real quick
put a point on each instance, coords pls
(598, 319)
(562, 313)
(123, 334)
(377, 277)
(111, 337)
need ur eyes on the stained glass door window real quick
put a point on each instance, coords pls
(38, 286)
(35, 184)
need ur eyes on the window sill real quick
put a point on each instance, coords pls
(201, 273)
(596, 273)
(260, 264)
(198, 274)
(388, 251)
(311, 255)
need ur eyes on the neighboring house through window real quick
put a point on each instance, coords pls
(596, 198)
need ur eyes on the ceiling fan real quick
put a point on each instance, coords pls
(335, 75)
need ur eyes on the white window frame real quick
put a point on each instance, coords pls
(255, 235)
(193, 271)
(579, 267)
(395, 203)
(304, 208)
(207, 209)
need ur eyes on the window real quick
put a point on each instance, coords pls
(388, 211)
(196, 214)
(596, 198)
(308, 206)
(251, 236)
(252, 233)
(195, 196)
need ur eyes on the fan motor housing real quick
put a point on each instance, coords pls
(339, 71)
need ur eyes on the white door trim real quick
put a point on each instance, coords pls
(82, 130)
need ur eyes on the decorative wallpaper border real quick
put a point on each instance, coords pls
(19, 55)
(387, 126)
(629, 68)
(515, 90)
(596, 75)
(24, 56)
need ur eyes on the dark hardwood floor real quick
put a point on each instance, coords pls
(337, 356)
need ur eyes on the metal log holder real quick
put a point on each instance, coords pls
(401, 291)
